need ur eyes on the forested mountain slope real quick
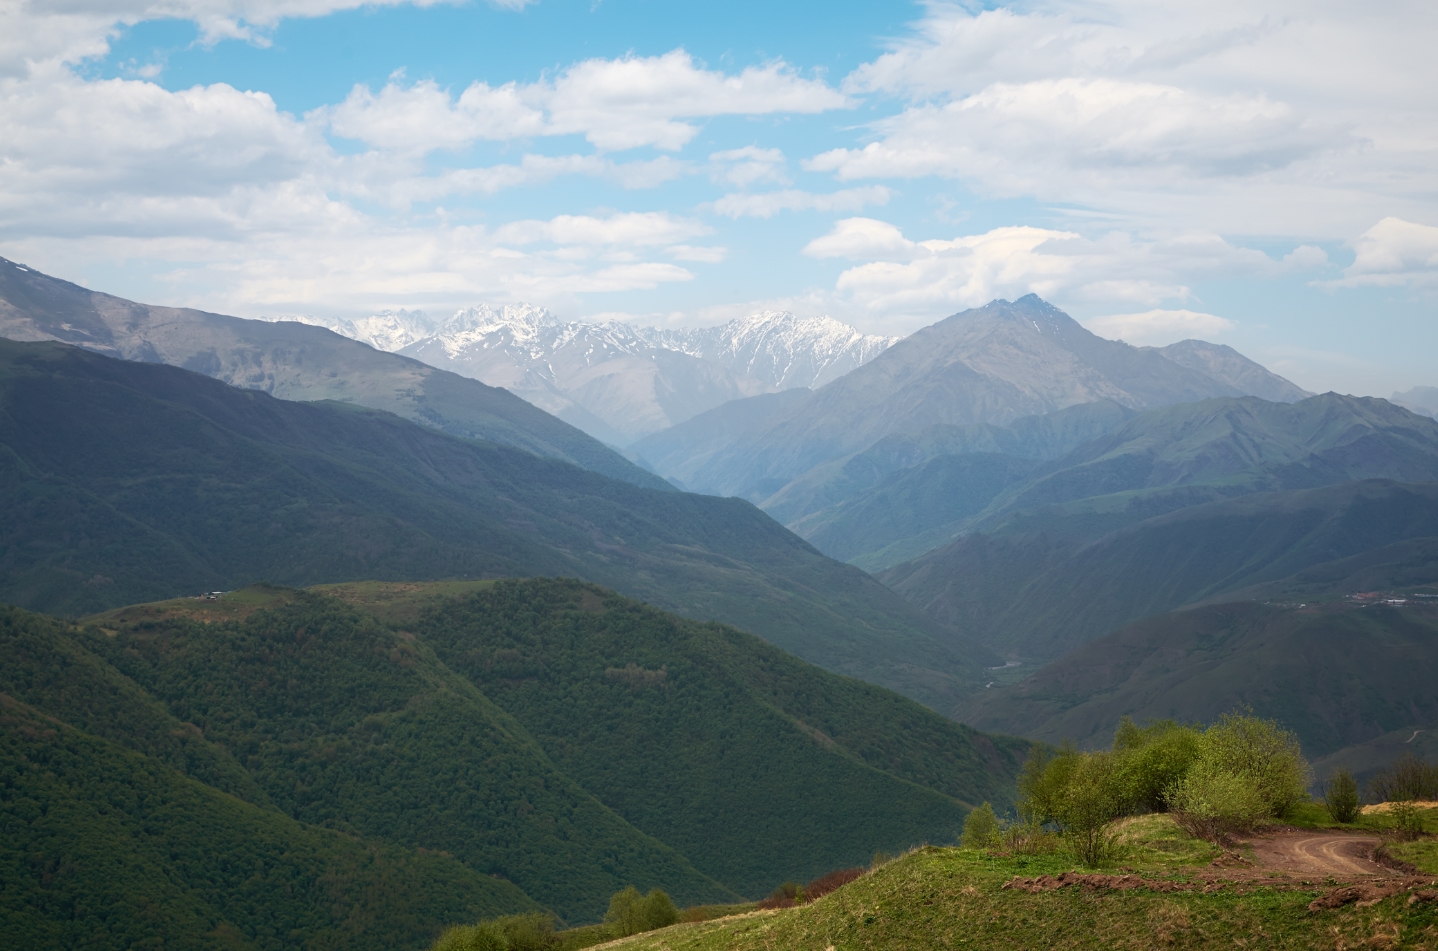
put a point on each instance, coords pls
(294, 362)
(484, 745)
(1338, 672)
(1057, 592)
(128, 482)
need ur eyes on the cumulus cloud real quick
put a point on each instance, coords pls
(615, 104)
(1159, 327)
(769, 204)
(1392, 253)
(1212, 115)
(1044, 137)
(900, 276)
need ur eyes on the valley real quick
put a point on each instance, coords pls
(316, 636)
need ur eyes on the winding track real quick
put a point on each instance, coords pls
(1334, 854)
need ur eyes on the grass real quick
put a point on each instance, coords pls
(953, 898)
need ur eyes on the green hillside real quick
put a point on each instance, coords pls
(756, 766)
(1337, 672)
(1063, 593)
(102, 846)
(126, 482)
(346, 722)
(488, 746)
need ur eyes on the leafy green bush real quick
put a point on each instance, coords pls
(1262, 752)
(486, 936)
(1405, 821)
(1090, 801)
(982, 829)
(1152, 758)
(1211, 802)
(1042, 781)
(1340, 794)
(631, 913)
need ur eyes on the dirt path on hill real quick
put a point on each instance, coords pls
(1338, 855)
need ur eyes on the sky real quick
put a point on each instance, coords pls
(1261, 174)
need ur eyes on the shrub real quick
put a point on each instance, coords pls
(786, 895)
(1087, 805)
(482, 937)
(1340, 794)
(1028, 838)
(659, 910)
(981, 828)
(1407, 780)
(531, 932)
(1211, 802)
(1152, 758)
(1405, 821)
(631, 913)
(831, 882)
(1042, 782)
(1260, 751)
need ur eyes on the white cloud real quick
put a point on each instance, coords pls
(625, 103)
(1047, 137)
(749, 166)
(615, 104)
(769, 204)
(1215, 115)
(422, 117)
(636, 229)
(1394, 252)
(1159, 327)
(923, 279)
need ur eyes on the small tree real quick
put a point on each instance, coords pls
(1408, 779)
(631, 913)
(1152, 758)
(1340, 794)
(1263, 753)
(1043, 780)
(1211, 802)
(626, 913)
(659, 910)
(982, 828)
(1087, 805)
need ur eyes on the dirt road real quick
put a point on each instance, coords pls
(1319, 854)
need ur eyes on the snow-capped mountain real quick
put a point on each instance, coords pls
(389, 330)
(615, 381)
(781, 349)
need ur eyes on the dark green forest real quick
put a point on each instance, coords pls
(359, 765)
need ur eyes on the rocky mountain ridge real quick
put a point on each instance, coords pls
(616, 381)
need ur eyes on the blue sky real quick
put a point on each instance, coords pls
(1258, 175)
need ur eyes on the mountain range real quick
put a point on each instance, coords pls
(293, 362)
(129, 481)
(988, 366)
(616, 381)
